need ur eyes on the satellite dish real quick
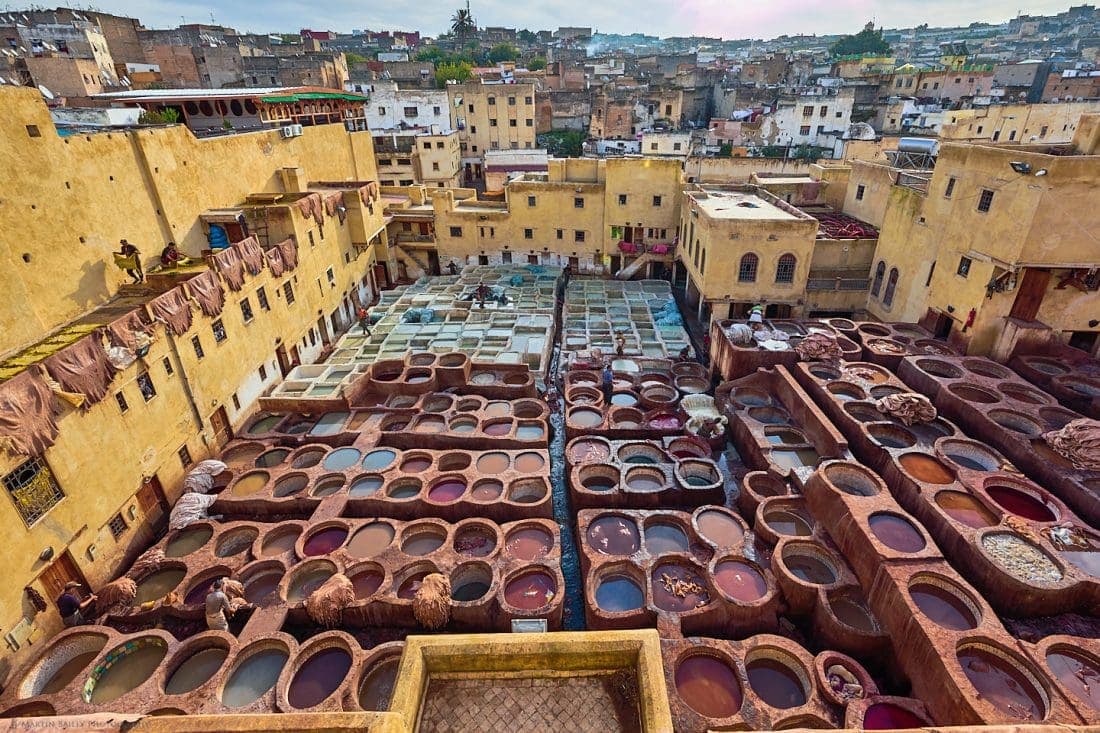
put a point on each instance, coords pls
(45, 92)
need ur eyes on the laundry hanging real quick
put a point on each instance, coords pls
(83, 368)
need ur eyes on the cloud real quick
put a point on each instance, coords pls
(684, 18)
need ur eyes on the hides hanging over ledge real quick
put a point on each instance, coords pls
(27, 409)
(311, 206)
(369, 192)
(207, 292)
(251, 254)
(333, 201)
(288, 249)
(231, 267)
(124, 331)
(173, 309)
(83, 368)
(1078, 442)
(275, 263)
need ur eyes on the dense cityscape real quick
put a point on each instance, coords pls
(549, 380)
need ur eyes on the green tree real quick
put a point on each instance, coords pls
(430, 54)
(536, 63)
(562, 143)
(354, 58)
(867, 41)
(526, 36)
(503, 52)
(166, 116)
(726, 151)
(462, 23)
(446, 71)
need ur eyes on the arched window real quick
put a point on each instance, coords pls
(891, 286)
(747, 272)
(784, 271)
(880, 272)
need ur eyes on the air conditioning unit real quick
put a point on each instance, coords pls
(297, 130)
(287, 131)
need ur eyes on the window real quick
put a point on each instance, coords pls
(263, 372)
(511, 123)
(123, 405)
(527, 100)
(32, 130)
(622, 199)
(511, 100)
(804, 130)
(382, 110)
(436, 111)
(184, 454)
(117, 525)
(492, 122)
(653, 146)
(529, 123)
(435, 166)
(288, 291)
(530, 200)
(427, 146)
(808, 111)
(471, 108)
(932, 269)
(703, 263)
(197, 345)
(860, 189)
(784, 271)
(456, 231)
(168, 366)
(578, 203)
(824, 110)
(146, 387)
(985, 200)
(746, 273)
(411, 111)
(675, 146)
(219, 331)
(33, 490)
(891, 286)
(236, 402)
(656, 200)
(439, 145)
(561, 234)
(821, 129)
(964, 266)
(312, 338)
(578, 236)
(876, 284)
(492, 100)
(246, 310)
(312, 241)
(947, 191)
(528, 233)
(506, 258)
(331, 277)
(261, 298)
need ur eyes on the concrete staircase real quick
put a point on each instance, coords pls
(638, 265)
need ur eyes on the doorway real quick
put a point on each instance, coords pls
(60, 572)
(433, 262)
(283, 359)
(219, 420)
(322, 328)
(1029, 296)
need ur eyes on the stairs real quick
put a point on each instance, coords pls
(637, 265)
(414, 257)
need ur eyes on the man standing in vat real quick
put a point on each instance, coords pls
(364, 321)
(217, 608)
(71, 607)
(607, 383)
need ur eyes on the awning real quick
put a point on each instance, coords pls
(223, 216)
(288, 98)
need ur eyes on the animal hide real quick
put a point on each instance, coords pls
(432, 602)
(1078, 442)
(326, 604)
(909, 407)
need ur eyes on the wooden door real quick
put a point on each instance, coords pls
(152, 500)
(61, 571)
(283, 359)
(219, 420)
(1029, 294)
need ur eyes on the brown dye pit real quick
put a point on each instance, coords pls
(788, 523)
(377, 687)
(887, 716)
(585, 418)
(1002, 683)
(589, 451)
(280, 540)
(529, 462)
(678, 588)
(1077, 673)
(529, 543)
(318, 677)
(371, 539)
(973, 394)
(159, 584)
(926, 469)
(290, 485)
(740, 581)
(531, 591)
(272, 458)
(613, 535)
(809, 569)
(416, 464)
(261, 585)
(306, 582)
(188, 540)
(662, 538)
(896, 532)
(943, 607)
(1021, 503)
(487, 490)
(421, 541)
(853, 612)
(1048, 454)
(795, 459)
(493, 463)
(250, 483)
(475, 541)
(719, 528)
(195, 670)
(775, 683)
(965, 509)
(708, 686)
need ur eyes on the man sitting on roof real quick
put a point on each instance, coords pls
(172, 257)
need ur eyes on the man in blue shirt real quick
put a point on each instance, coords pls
(71, 607)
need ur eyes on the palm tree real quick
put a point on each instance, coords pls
(462, 22)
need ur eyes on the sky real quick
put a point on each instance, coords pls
(722, 18)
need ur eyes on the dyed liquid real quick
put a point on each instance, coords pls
(198, 669)
(371, 539)
(1002, 684)
(404, 490)
(708, 686)
(1079, 675)
(493, 463)
(896, 533)
(262, 585)
(366, 583)
(794, 459)
(377, 687)
(272, 458)
(943, 607)
(678, 588)
(598, 483)
(529, 462)
(530, 591)
(253, 678)
(968, 462)
(926, 469)
(187, 541)
(318, 677)
(279, 542)
(236, 542)
(498, 409)
(463, 426)
(585, 418)
(809, 569)
(788, 523)
(776, 683)
(965, 509)
(422, 543)
(306, 583)
(529, 543)
(530, 432)
(158, 585)
(666, 422)
(325, 541)
(411, 585)
(781, 437)
(613, 536)
(751, 399)
(68, 671)
(487, 490)
(663, 538)
(719, 528)
(644, 480)
(618, 594)
(365, 486)
(342, 458)
(330, 423)
(1087, 560)
(770, 415)
(885, 716)
(290, 485)
(697, 480)
(308, 459)
(892, 439)
(376, 460)
(496, 429)
(1021, 504)
(624, 399)
(740, 581)
(853, 613)
(470, 590)
(588, 451)
(430, 425)
(128, 672)
(197, 594)
(416, 464)
(475, 542)
(447, 491)
(250, 483)
(264, 425)
(328, 488)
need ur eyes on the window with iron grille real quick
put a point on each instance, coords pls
(964, 266)
(246, 310)
(985, 200)
(746, 273)
(33, 490)
(146, 387)
(196, 344)
(784, 271)
(880, 273)
(184, 454)
(288, 291)
(117, 525)
(891, 286)
(123, 405)
(218, 329)
(168, 366)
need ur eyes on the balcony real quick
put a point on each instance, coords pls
(850, 280)
(414, 240)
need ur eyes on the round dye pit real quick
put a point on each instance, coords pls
(1020, 558)
(851, 611)
(236, 541)
(1078, 673)
(938, 368)
(264, 424)
(740, 581)
(365, 486)
(617, 593)
(926, 469)
(973, 456)
(324, 541)
(770, 415)
(80, 651)
(887, 716)
(644, 480)
(371, 539)
(530, 431)
(719, 527)
(408, 588)
(487, 490)
(529, 462)
(1002, 683)
(253, 678)
(318, 678)
(750, 398)
(497, 428)
(698, 473)
(470, 583)
(678, 587)
(1021, 393)
(896, 532)
(306, 581)
(613, 535)
(493, 463)
(1021, 503)
(377, 460)
(795, 459)
(261, 585)
(809, 568)
(290, 485)
(250, 483)
(447, 490)
(530, 591)
(974, 394)
(845, 391)
(327, 487)
(764, 484)
(188, 540)
(527, 491)
(784, 436)
(475, 540)
(196, 670)
(406, 488)
(662, 538)
(641, 453)
(1086, 560)
(788, 523)
(624, 399)
(377, 687)
(965, 509)
(775, 683)
(585, 417)
(340, 459)
(528, 410)
(429, 424)
(308, 458)
(889, 435)
(463, 425)
(271, 458)
(280, 540)
(158, 585)
(709, 686)
(134, 664)
(851, 480)
(588, 451)
(417, 463)
(1016, 422)
(420, 541)
(366, 581)
(197, 593)
(529, 543)
(944, 606)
